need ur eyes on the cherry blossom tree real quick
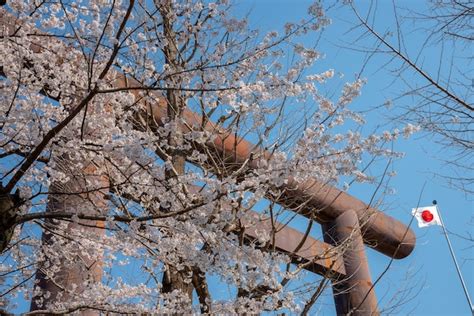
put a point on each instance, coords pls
(109, 120)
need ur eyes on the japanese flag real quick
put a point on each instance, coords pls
(426, 216)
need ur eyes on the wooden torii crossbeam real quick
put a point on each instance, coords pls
(342, 216)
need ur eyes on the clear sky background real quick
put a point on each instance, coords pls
(427, 278)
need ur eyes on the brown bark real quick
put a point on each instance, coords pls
(174, 279)
(200, 284)
(9, 204)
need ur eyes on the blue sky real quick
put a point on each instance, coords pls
(429, 269)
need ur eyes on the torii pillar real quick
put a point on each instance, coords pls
(355, 293)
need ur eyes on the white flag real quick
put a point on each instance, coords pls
(426, 216)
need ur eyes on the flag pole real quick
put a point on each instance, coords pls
(454, 259)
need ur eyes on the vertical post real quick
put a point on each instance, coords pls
(354, 295)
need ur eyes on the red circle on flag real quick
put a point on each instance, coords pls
(427, 216)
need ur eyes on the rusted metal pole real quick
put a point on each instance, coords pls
(354, 294)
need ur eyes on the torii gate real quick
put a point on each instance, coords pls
(343, 218)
